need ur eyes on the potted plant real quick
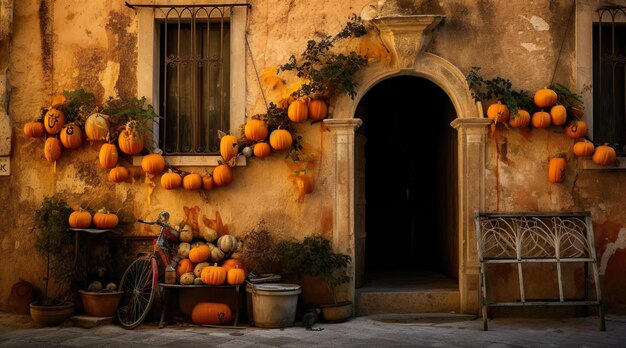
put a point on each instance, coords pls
(54, 243)
(99, 300)
(315, 257)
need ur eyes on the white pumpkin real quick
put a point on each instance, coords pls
(183, 250)
(209, 234)
(186, 234)
(197, 271)
(227, 243)
(97, 127)
(187, 278)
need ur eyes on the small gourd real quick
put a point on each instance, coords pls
(54, 120)
(187, 278)
(183, 250)
(192, 182)
(521, 120)
(171, 180)
(498, 112)
(222, 175)
(583, 148)
(576, 129)
(105, 219)
(255, 130)
(52, 149)
(317, 110)
(197, 271)
(209, 234)
(262, 149)
(216, 253)
(97, 127)
(186, 234)
(545, 98)
(34, 129)
(298, 111)
(228, 147)
(71, 136)
(118, 174)
(558, 115)
(281, 139)
(153, 163)
(556, 169)
(541, 119)
(235, 276)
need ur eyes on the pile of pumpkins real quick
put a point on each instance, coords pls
(199, 253)
(546, 99)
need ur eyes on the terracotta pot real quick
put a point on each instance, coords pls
(100, 304)
(51, 315)
(337, 312)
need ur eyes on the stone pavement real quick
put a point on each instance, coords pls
(358, 332)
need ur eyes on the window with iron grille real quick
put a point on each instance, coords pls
(194, 80)
(609, 78)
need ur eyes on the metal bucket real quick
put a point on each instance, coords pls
(274, 304)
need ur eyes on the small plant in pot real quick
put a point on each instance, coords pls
(315, 257)
(55, 244)
(99, 300)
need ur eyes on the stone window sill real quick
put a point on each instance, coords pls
(192, 161)
(620, 165)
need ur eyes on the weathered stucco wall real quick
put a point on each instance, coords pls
(64, 44)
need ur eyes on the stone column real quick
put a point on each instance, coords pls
(472, 134)
(342, 135)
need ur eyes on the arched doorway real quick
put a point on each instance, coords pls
(406, 181)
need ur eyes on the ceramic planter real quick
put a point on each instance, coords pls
(100, 304)
(51, 315)
(337, 312)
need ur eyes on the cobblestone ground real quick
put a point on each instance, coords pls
(359, 332)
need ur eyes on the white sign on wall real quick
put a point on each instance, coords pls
(5, 166)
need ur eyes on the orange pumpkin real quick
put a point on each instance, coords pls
(576, 129)
(222, 175)
(558, 115)
(583, 149)
(521, 120)
(255, 130)
(118, 174)
(232, 263)
(54, 120)
(545, 98)
(71, 136)
(213, 275)
(200, 253)
(105, 219)
(209, 313)
(281, 139)
(34, 129)
(184, 266)
(52, 149)
(208, 183)
(235, 276)
(298, 111)
(153, 163)
(108, 155)
(317, 110)
(541, 119)
(304, 183)
(228, 147)
(604, 155)
(262, 150)
(130, 142)
(498, 112)
(58, 100)
(171, 181)
(192, 182)
(80, 219)
(556, 169)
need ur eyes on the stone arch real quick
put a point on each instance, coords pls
(427, 65)
(471, 126)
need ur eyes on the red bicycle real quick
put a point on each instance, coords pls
(140, 281)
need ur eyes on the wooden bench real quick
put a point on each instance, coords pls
(537, 238)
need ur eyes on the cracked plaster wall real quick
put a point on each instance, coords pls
(67, 44)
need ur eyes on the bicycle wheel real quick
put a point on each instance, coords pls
(139, 284)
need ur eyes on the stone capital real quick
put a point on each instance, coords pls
(471, 122)
(340, 124)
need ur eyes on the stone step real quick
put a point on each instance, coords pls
(435, 318)
(423, 301)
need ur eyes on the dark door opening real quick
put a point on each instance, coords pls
(410, 185)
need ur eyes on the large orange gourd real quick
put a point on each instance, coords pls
(52, 149)
(184, 266)
(71, 136)
(130, 141)
(521, 120)
(280, 139)
(80, 219)
(210, 313)
(255, 130)
(34, 129)
(604, 155)
(54, 120)
(317, 110)
(545, 98)
(298, 111)
(576, 129)
(222, 175)
(498, 112)
(153, 163)
(228, 147)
